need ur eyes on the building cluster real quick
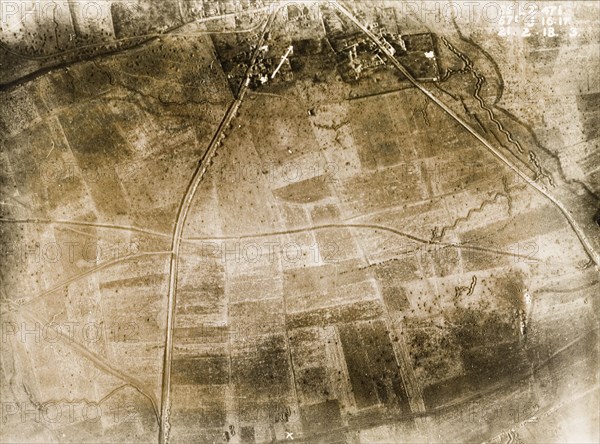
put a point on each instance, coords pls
(266, 69)
(301, 14)
(271, 69)
(212, 8)
(359, 57)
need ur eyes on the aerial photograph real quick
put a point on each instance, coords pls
(299, 221)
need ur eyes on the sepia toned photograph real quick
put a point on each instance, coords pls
(299, 221)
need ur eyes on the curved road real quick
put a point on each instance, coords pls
(164, 425)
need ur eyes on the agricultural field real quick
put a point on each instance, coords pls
(256, 222)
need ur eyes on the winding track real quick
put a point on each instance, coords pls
(98, 361)
(435, 243)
